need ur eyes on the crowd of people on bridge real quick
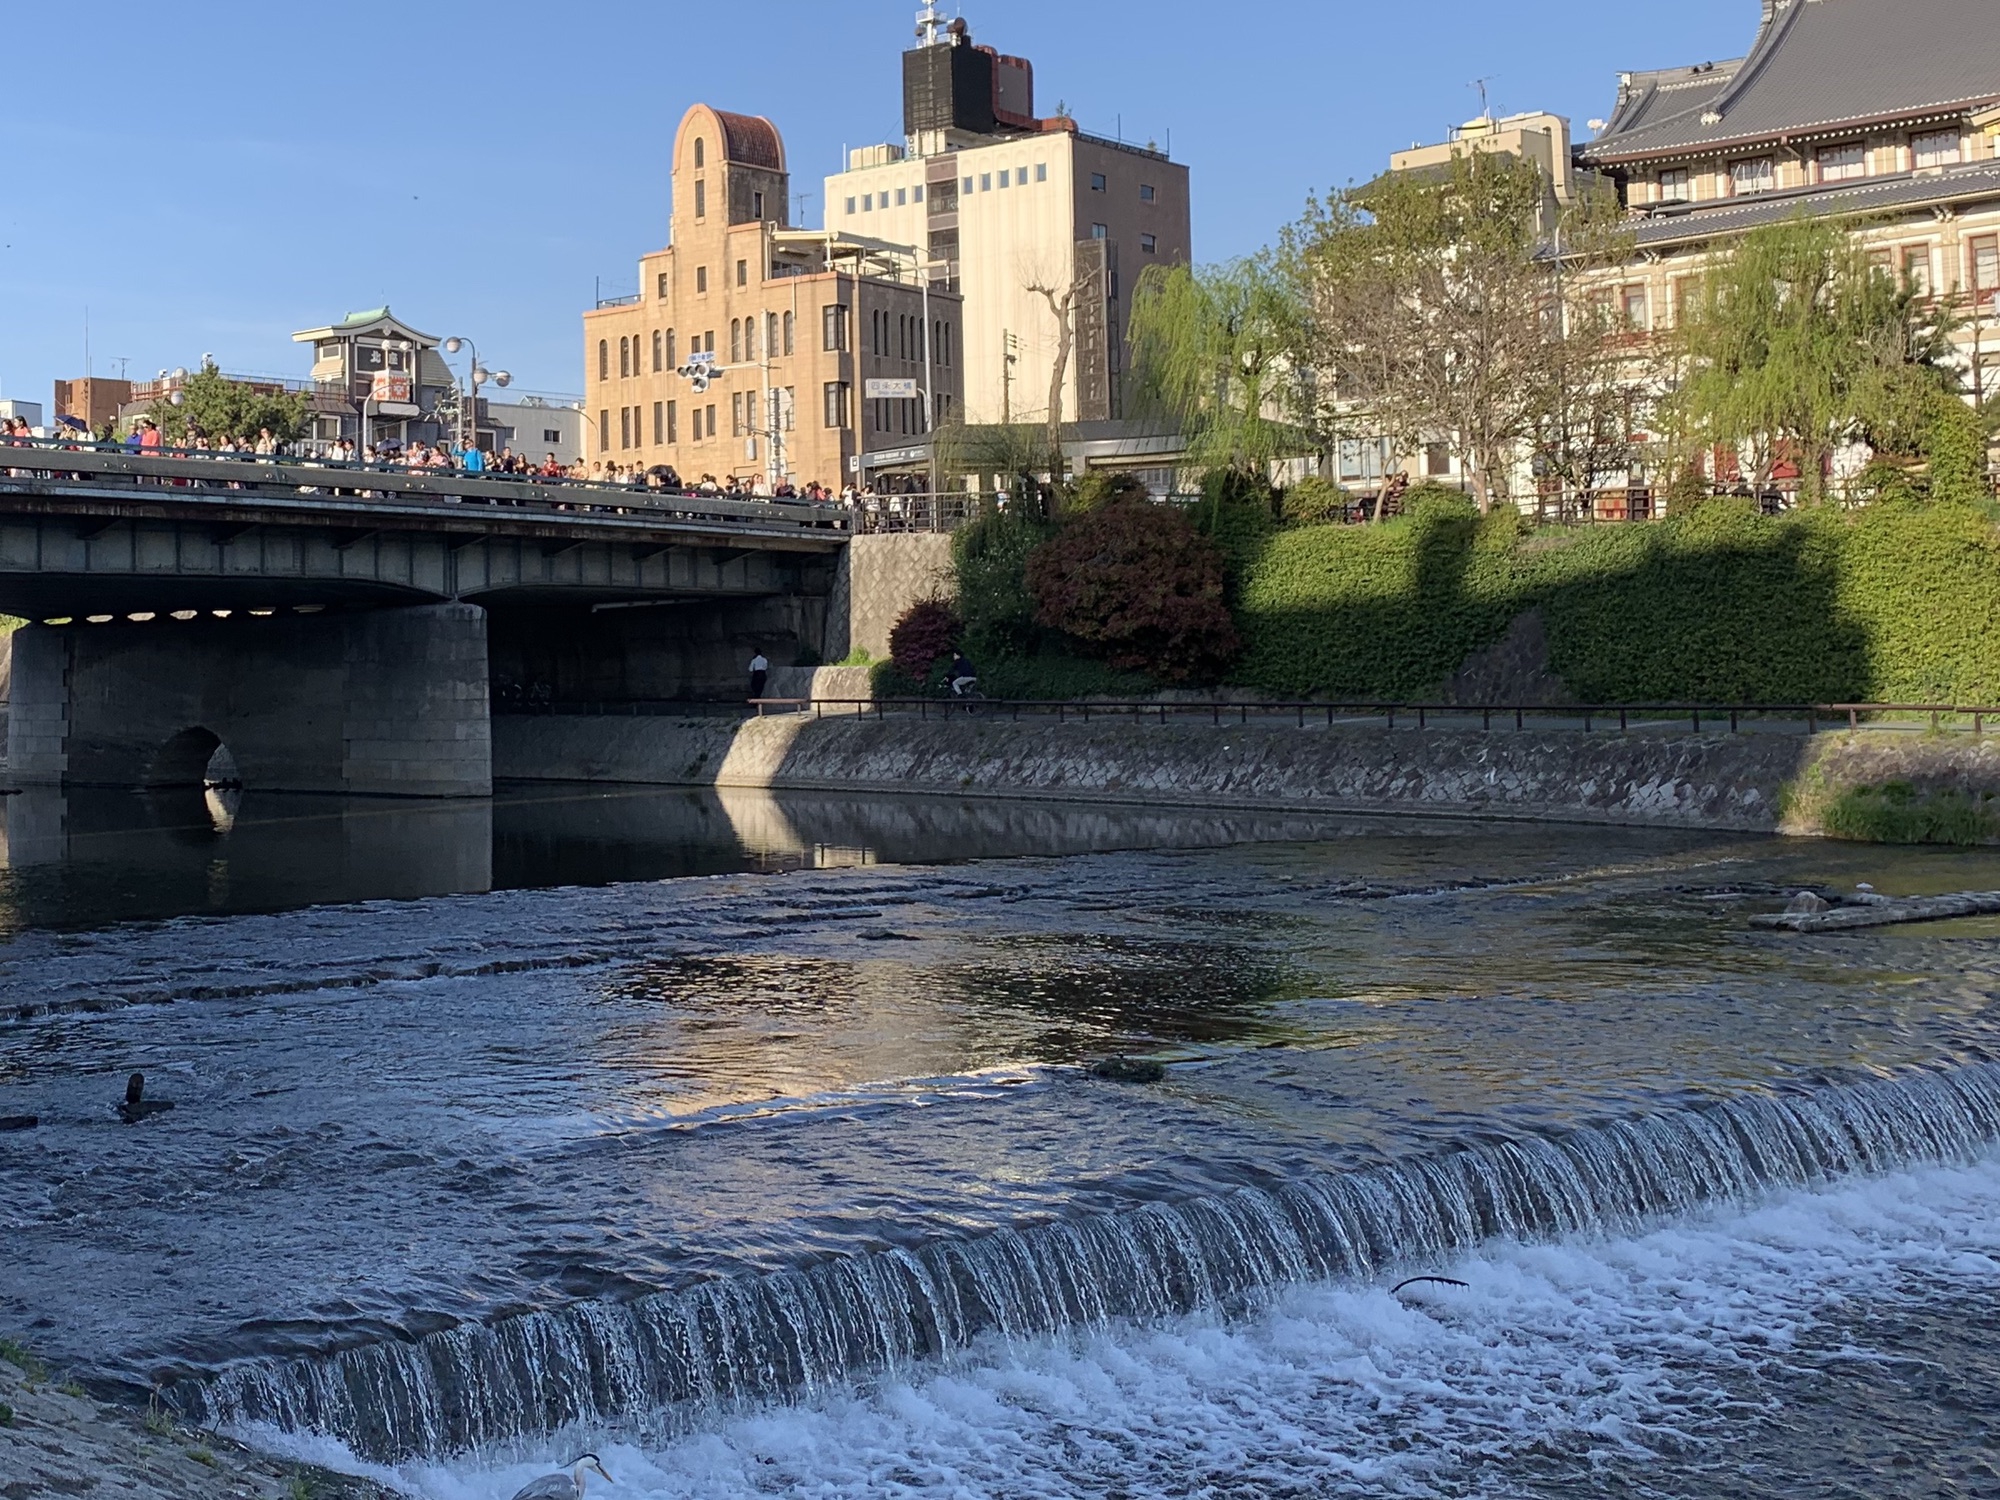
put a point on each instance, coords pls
(891, 502)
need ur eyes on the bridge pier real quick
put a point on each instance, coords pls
(390, 701)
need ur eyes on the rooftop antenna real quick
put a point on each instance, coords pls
(930, 21)
(1485, 110)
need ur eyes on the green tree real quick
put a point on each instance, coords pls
(1436, 308)
(1795, 345)
(1210, 349)
(216, 406)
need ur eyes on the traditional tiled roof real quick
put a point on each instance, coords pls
(1684, 224)
(1818, 66)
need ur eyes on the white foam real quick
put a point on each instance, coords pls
(1587, 1348)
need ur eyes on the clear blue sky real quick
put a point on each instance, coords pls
(210, 178)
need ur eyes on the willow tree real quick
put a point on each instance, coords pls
(1795, 344)
(1211, 348)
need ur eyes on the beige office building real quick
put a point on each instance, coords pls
(757, 350)
(1003, 202)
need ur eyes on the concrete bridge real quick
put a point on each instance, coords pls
(342, 629)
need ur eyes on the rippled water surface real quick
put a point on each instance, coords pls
(569, 1053)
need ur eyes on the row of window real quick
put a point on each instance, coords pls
(780, 333)
(869, 202)
(901, 336)
(1847, 162)
(1631, 305)
(782, 416)
(985, 182)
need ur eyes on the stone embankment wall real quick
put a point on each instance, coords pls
(880, 577)
(1723, 781)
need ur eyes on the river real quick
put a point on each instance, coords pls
(750, 1141)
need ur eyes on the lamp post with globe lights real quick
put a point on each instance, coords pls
(477, 376)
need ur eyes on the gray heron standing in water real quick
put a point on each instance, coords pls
(565, 1486)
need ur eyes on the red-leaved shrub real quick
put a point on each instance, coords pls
(929, 632)
(1136, 583)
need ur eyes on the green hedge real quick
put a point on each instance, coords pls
(1897, 602)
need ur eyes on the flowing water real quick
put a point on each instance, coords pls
(750, 1142)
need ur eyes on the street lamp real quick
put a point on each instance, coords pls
(479, 376)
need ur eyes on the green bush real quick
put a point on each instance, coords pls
(1313, 501)
(1892, 603)
(1898, 813)
(1955, 444)
(1102, 487)
(990, 562)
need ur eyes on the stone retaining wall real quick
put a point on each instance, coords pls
(1722, 781)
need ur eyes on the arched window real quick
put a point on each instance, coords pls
(604, 359)
(673, 351)
(735, 341)
(656, 351)
(700, 152)
(770, 335)
(788, 333)
(750, 339)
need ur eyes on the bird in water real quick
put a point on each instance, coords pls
(565, 1486)
(136, 1105)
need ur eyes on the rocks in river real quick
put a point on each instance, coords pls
(884, 935)
(19, 1122)
(1128, 1070)
(1806, 904)
(136, 1106)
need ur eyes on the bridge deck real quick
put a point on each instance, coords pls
(251, 491)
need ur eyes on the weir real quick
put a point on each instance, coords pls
(658, 1364)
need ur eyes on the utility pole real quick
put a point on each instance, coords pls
(1008, 359)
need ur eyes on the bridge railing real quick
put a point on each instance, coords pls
(82, 469)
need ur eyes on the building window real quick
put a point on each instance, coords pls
(968, 187)
(1099, 232)
(1686, 293)
(736, 414)
(757, 207)
(1983, 254)
(552, 434)
(750, 339)
(657, 351)
(1437, 460)
(1041, 171)
(1146, 193)
(1842, 163)
(673, 351)
(673, 422)
(700, 152)
(1634, 310)
(624, 427)
(659, 423)
(663, 286)
(743, 273)
(701, 280)
(868, 203)
(1674, 185)
(771, 336)
(700, 199)
(708, 342)
(1098, 184)
(604, 431)
(789, 323)
(985, 182)
(711, 421)
(736, 341)
(833, 328)
(902, 197)
(1006, 177)
(835, 399)
(1753, 176)
(850, 207)
(604, 359)
(917, 193)
(1917, 268)
(1150, 244)
(1937, 148)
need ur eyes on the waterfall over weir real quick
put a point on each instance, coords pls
(657, 1363)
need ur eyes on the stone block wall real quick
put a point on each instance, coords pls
(879, 578)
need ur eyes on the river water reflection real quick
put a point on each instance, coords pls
(573, 1051)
